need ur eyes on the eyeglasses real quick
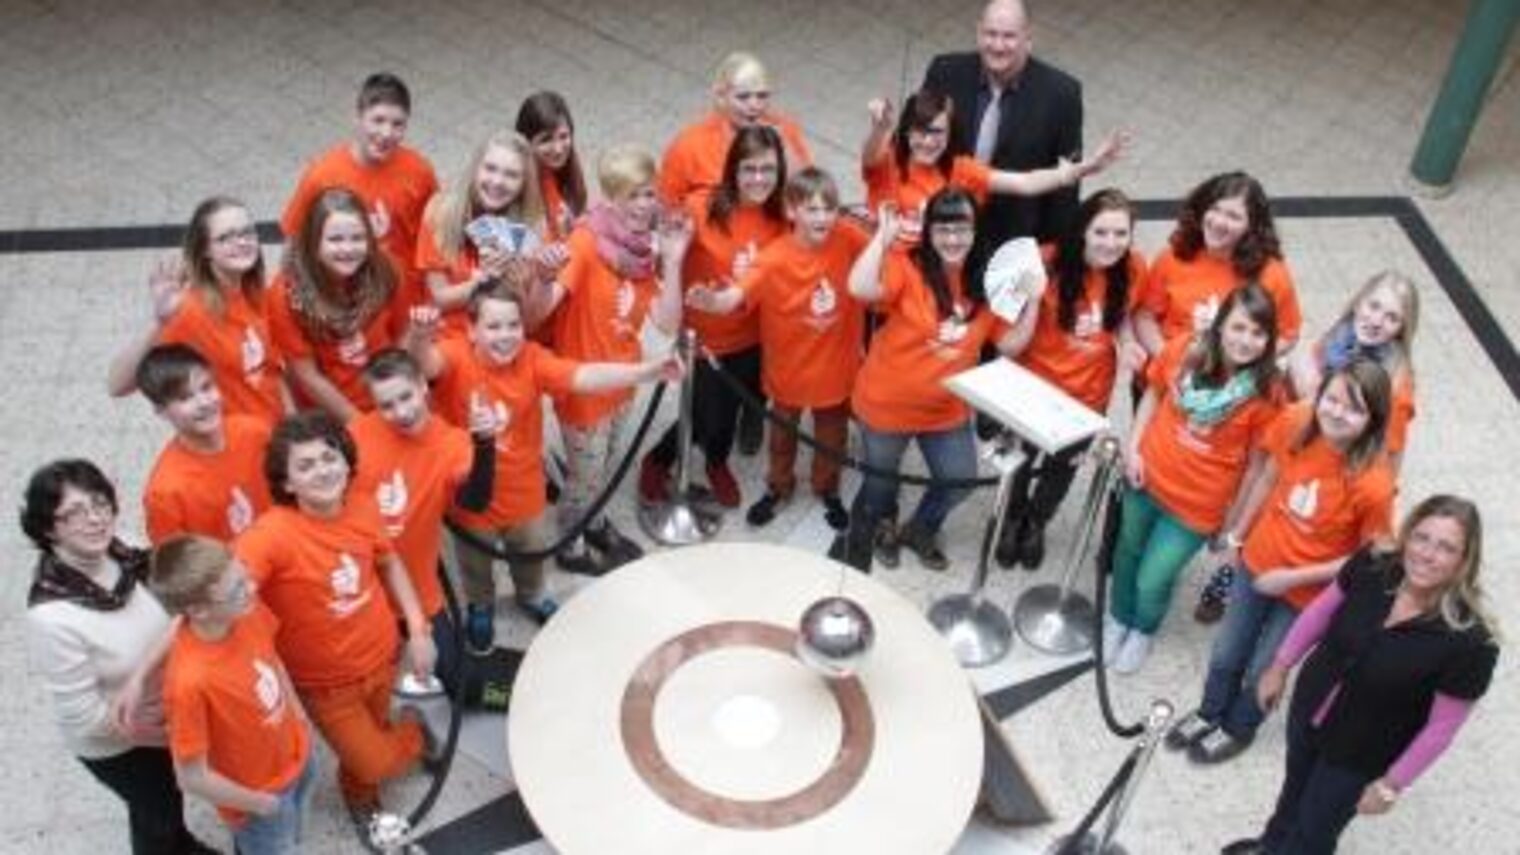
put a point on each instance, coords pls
(98, 506)
(758, 170)
(246, 233)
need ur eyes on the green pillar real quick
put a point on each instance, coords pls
(1490, 24)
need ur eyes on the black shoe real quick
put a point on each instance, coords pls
(886, 546)
(581, 563)
(1216, 747)
(926, 547)
(987, 427)
(1006, 554)
(1189, 730)
(1031, 543)
(834, 513)
(1245, 846)
(613, 544)
(751, 430)
(763, 511)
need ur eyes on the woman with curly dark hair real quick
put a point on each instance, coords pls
(1224, 238)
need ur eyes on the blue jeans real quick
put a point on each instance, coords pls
(948, 454)
(1253, 627)
(1149, 553)
(280, 833)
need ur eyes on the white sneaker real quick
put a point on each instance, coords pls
(1114, 634)
(1133, 653)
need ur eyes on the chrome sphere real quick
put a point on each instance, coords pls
(834, 635)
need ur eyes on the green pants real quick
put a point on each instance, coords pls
(1152, 548)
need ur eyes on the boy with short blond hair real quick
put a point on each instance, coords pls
(237, 733)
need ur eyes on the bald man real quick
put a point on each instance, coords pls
(1036, 118)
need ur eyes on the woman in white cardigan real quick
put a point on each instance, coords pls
(92, 627)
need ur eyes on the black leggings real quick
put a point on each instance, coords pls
(714, 408)
(144, 779)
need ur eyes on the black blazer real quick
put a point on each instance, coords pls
(1041, 121)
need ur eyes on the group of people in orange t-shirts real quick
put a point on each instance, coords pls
(391, 375)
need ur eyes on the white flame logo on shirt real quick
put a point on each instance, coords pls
(1204, 312)
(266, 686)
(1303, 499)
(825, 300)
(391, 496)
(353, 350)
(952, 330)
(1090, 322)
(345, 587)
(239, 511)
(253, 356)
(625, 298)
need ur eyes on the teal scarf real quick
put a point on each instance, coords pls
(1206, 407)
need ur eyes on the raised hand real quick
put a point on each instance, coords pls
(380, 220)
(423, 322)
(880, 110)
(166, 287)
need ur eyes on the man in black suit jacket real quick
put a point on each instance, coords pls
(1040, 120)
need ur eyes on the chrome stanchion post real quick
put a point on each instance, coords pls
(1055, 618)
(1103, 842)
(977, 629)
(391, 834)
(1155, 728)
(687, 517)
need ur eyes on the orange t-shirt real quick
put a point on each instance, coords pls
(319, 578)
(515, 391)
(404, 183)
(429, 258)
(885, 184)
(694, 161)
(412, 480)
(599, 320)
(811, 329)
(340, 360)
(244, 362)
(1401, 413)
(1083, 361)
(558, 218)
(225, 701)
(900, 388)
(1194, 471)
(1185, 295)
(215, 495)
(710, 261)
(1318, 510)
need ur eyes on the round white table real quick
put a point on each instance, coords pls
(662, 710)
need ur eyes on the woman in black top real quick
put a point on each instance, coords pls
(1404, 650)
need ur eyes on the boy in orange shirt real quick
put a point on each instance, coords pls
(209, 479)
(239, 737)
(811, 331)
(394, 181)
(417, 467)
(319, 556)
(498, 370)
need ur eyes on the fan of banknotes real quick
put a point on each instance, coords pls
(502, 234)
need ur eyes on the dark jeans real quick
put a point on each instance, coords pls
(1253, 627)
(144, 779)
(949, 454)
(714, 408)
(1317, 799)
(1042, 482)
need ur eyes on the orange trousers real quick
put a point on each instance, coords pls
(831, 427)
(354, 718)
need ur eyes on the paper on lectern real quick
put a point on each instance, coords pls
(1028, 404)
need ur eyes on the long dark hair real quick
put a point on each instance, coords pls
(1071, 263)
(1206, 358)
(949, 205)
(1371, 390)
(1256, 247)
(543, 112)
(918, 113)
(749, 142)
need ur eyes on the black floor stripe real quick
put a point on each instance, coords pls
(1491, 336)
(1006, 702)
(501, 823)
